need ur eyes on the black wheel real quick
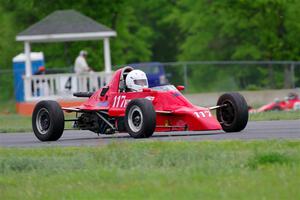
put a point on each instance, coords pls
(276, 108)
(140, 118)
(233, 117)
(48, 121)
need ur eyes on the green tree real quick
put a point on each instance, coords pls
(131, 45)
(166, 34)
(239, 30)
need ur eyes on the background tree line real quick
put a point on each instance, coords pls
(168, 30)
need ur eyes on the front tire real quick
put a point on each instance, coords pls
(233, 117)
(140, 118)
(48, 121)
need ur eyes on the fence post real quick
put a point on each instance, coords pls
(27, 88)
(185, 77)
(293, 74)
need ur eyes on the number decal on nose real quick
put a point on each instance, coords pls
(202, 114)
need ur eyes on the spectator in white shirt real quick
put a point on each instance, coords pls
(80, 68)
(81, 65)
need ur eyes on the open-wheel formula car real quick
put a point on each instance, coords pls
(114, 109)
(290, 102)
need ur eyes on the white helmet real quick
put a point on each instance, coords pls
(136, 80)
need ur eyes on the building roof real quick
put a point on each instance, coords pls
(65, 25)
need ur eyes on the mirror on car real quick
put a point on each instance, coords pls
(180, 87)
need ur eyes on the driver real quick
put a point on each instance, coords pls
(292, 96)
(136, 80)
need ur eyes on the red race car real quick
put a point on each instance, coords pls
(290, 102)
(126, 104)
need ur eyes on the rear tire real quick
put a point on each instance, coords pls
(48, 121)
(140, 118)
(234, 116)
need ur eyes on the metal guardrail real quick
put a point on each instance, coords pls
(62, 86)
(185, 65)
(239, 62)
(224, 76)
(185, 72)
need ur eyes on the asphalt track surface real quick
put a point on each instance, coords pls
(254, 131)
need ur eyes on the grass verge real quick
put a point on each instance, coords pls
(14, 123)
(154, 170)
(275, 115)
